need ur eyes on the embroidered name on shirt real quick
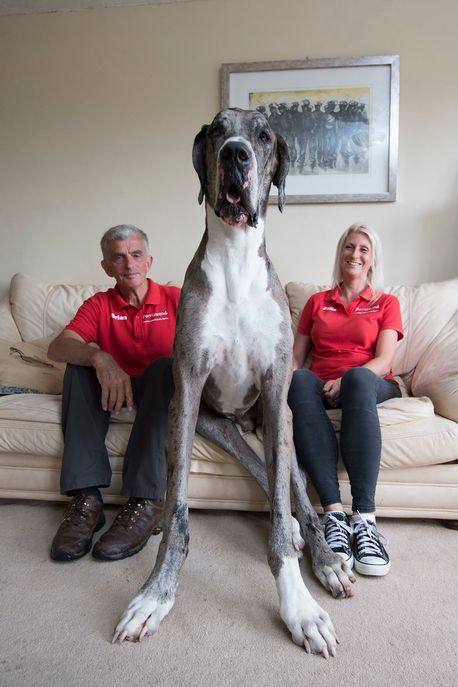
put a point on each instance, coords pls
(118, 317)
(374, 308)
(156, 316)
(329, 307)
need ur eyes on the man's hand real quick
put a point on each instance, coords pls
(69, 347)
(331, 390)
(115, 383)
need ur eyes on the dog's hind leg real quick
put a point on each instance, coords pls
(157, 596)
(224, 433)
(330, 569)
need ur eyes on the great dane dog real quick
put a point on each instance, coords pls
(232, 354)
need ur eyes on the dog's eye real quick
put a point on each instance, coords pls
(264, 136)
(217, 130)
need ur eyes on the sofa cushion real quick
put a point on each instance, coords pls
(40, 309)
(425, 310)
(25, 367)
(411, 434)
(436, 374)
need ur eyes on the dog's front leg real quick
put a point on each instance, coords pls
(157, 596)
(330, 569)
(310, 625)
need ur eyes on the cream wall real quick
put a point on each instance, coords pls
(99, 110)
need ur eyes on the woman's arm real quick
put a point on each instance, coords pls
(384, 352)
(301, 348)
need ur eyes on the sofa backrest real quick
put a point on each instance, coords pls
(40, 309)
(425, 310)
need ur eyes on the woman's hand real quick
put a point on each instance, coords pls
(331, 390)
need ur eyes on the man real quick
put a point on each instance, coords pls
(117, 350)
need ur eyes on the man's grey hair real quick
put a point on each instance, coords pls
(375, 275)
(121, 233)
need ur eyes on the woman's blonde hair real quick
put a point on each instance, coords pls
(375, 275)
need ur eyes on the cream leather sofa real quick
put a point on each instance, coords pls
(419, 474)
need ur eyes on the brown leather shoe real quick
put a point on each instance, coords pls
(131, 529)
(73, 539)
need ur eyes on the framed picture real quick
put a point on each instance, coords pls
(339, 117)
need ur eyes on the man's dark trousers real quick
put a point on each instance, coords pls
(85, 460)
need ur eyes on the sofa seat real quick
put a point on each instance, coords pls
(419, 465)
(31, 447)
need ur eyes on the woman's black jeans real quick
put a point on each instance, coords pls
(360, 439)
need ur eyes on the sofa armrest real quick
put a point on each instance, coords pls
(436, 374)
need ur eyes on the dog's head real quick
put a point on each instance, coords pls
(237, 157)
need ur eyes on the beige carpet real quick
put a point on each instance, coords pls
(57, 620)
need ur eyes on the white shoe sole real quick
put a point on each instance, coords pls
(372, 568)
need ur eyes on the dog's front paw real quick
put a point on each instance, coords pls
(310, 625)
(335, 576)
(141, 619)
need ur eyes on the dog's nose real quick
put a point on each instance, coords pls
(236, 152)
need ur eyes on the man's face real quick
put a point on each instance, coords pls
(128, 262)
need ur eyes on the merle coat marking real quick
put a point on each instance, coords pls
(233, 351)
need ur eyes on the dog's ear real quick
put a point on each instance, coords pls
(282, 170)
(198, 160)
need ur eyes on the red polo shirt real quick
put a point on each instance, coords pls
(135, 337)
(346, 336)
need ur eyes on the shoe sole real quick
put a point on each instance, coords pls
(64, 557)
(372, 570)
(100, 556)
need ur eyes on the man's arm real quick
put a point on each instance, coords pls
(70, 347)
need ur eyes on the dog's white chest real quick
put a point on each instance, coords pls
(242, 328)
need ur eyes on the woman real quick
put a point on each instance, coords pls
(351, 331)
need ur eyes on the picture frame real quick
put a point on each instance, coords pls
(339, 116)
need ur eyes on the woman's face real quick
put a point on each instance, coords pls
(356, 256)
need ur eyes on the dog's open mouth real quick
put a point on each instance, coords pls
(234, 207)
(232, 195)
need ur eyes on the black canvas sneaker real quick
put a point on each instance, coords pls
(337, 532)
(371, 557)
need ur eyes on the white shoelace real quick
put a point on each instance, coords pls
(368, 539)
(335, 532)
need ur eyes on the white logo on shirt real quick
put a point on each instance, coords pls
(155, 316)
(118, 317)
(373, 308)
(162, 313)
(329, 307)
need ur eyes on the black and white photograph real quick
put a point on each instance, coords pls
(327, 130)
(339, 118)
